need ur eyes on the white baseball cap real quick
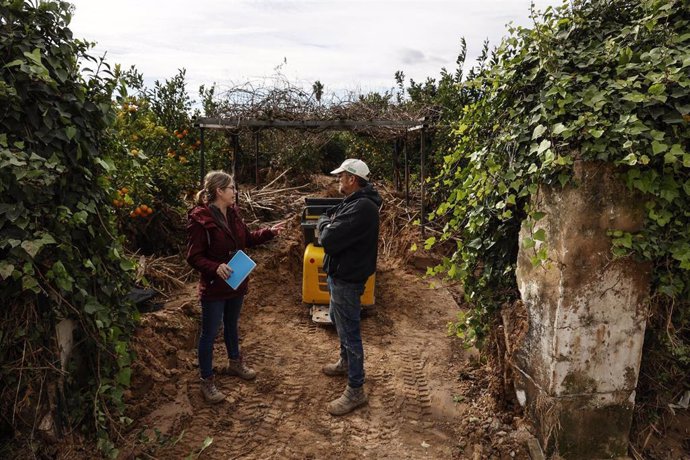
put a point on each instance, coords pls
(353, 166)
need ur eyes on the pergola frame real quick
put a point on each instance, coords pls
(234, 125)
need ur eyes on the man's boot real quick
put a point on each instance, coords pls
(211, 394)
(238, 368)
(339, 368)
(351, 399)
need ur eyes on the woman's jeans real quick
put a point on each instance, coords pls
(213, 312)
(345, 310)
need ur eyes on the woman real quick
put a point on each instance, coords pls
(214, 232)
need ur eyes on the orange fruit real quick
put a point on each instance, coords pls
(132, 214)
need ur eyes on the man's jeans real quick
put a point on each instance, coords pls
(213, 312)
(344, 310)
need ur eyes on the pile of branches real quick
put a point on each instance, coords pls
(283, 100)
(271, 203)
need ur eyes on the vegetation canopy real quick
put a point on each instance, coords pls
(59, 256)
(604, 81)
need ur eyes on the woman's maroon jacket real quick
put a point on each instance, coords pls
(209, 245)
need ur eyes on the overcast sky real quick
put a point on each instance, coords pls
(347, 45)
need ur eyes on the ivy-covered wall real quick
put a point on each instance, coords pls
(59, 257)
(599, 80)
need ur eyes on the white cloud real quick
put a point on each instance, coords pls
(344, 44)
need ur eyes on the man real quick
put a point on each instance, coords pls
(349, 235)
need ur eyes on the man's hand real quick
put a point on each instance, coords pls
(323, 220)
(224, 271)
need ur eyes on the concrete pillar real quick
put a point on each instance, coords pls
(576, 368)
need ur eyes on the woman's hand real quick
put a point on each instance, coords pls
(278, 228)
(224, 271)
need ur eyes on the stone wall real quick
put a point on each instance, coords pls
(576, 368)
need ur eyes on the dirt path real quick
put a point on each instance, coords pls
(428, 398)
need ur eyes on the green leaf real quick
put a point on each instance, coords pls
(127, 264)
(539, 235)
(596, 133)
(634, 97)
(658, 147)
(563, 179)
(124, 376)
(6, 269)
(475, 243)
(70, 131)
(93, 306)
(429, 242)
(630, 159)
(677, 150)
(538, 131)
(107, 165)
(543, 145)
(29, 283)
(32, 247)
(528, 243)
(558, 128)
(657, 89)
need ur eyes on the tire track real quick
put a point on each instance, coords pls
(417, 395)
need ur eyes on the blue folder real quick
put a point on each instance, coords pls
(241, 266)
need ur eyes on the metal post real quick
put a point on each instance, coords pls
(256, 158)
(421, 173)
(235, 154)
(407, 173)
(396, 175)
(229, 142)
(202, 159)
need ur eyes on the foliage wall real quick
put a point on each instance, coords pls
(593, 80)
(59, 256)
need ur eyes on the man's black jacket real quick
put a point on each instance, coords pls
(349, 235)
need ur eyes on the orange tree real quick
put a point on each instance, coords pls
(155, 150)
(60, 258)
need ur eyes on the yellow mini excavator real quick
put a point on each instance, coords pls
(314, 286)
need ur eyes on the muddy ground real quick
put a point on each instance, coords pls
(428, 397)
